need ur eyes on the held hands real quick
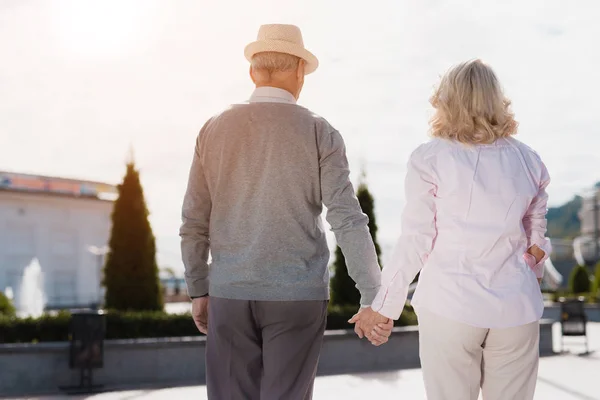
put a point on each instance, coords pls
(373, 325)
(200, 313)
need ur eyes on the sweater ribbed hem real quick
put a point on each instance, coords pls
(275, 293)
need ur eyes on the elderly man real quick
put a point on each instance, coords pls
(261, 173)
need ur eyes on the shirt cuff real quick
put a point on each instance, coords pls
(538, 267)
(541, 242)
(389, 306)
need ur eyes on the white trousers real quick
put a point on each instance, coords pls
(458, 359)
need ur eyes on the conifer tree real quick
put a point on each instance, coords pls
(343, 288)
(131, 273)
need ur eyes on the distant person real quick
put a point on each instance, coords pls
(261, 173)
(474, 225)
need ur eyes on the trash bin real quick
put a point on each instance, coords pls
(87, 330)
(573, 319)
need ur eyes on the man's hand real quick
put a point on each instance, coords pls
(359, 332)
(373, 325)
(200, 313)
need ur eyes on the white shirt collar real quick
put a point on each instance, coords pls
(268, 94)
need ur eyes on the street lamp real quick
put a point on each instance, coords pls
(586, 252)
(595, 208)
(99, 253)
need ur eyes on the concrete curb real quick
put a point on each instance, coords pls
(41, 368)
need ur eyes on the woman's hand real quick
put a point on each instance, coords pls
(533, 256)
(536, 252)
(375, 326)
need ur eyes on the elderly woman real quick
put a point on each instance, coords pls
(474, 226)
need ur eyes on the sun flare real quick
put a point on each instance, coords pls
(101, 28)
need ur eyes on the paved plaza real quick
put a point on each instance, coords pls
(569, 376)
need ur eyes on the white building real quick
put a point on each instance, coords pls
(586, 249)
(65, 225)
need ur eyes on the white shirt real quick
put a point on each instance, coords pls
(471, 213)
(269, 94)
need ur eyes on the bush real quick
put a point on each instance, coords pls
(133, 325)
(6, 306)
(136, 325)
(47, 328)
(579, 280)
(119, 325)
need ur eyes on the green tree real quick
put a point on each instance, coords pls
(6, 306)
(563, 221)
(579, 280)
(596, 284)
(343, 288)
(131, 272)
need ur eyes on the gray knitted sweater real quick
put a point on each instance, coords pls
(260, 176)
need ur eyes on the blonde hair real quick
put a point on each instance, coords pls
(270, 61)
(470, 106)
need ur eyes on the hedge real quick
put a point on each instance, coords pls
(47, 328)
(556, 295)
(132, 325)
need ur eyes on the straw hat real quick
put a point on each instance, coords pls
(282, 39)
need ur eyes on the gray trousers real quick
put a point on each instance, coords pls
(263, 350)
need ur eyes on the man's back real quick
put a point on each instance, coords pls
(261, 164)
(261, 173)
(260, 176)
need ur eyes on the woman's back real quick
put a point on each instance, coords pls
(476, 272)
(475, 209)
(474, 225)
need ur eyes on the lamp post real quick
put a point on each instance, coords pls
(99, 253)
(595, 208)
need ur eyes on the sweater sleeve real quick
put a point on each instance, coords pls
(346, 218)
(194, 231)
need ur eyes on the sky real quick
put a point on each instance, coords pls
(81, 81)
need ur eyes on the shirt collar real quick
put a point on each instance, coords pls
(268, 94)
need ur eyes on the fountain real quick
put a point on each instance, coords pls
(31, 293)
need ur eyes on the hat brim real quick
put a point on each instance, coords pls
(281, 46)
